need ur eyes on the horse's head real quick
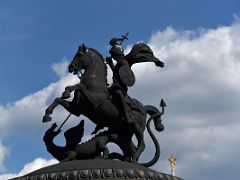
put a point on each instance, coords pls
(80, 61)
(90, 67)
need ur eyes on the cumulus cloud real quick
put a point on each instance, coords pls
(30, 167)
(3, 154)
(60, 68)
(26, 114)
(200, 84)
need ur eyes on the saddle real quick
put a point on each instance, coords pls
(132, 103)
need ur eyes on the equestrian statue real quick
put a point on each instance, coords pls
(106, 106)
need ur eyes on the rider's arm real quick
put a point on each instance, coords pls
(120, 39)
(110, 62)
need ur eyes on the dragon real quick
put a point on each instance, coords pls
(93, 148)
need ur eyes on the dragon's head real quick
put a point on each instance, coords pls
(50, 134)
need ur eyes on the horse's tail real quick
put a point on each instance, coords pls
(155, 115)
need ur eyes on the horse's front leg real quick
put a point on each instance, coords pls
(50, 110)
(83, 90)
(66, 104)
(67, 93)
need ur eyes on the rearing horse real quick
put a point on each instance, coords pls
(93, 100)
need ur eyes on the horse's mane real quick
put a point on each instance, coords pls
(100, 57)
(96, 52)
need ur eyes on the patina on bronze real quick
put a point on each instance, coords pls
(108, 107)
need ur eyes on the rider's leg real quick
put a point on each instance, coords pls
(124, 105)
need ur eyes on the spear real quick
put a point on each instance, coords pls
(64, 122)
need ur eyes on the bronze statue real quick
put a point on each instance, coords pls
(110, 107)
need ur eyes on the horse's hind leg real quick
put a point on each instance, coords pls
(141, 144)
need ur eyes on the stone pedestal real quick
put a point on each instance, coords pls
(96, 169)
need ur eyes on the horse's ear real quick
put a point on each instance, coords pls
(84, 47)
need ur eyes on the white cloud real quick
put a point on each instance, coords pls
(30, 167)
(3, 154)
(26, 114)
(60, 68)
(200, 85)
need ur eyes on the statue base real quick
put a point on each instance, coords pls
(96, 169)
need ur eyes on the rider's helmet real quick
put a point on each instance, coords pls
(113, 41)
(116, 50)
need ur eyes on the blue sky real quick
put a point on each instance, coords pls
(36, 34)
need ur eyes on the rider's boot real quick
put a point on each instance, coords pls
(124, 106)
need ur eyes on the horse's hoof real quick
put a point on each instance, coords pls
(66, 95)
(46, 118)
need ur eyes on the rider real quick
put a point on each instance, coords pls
(118, 87)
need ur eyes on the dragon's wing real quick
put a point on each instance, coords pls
(141, 52)
(75, 134)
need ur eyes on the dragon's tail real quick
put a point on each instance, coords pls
(155, 115)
